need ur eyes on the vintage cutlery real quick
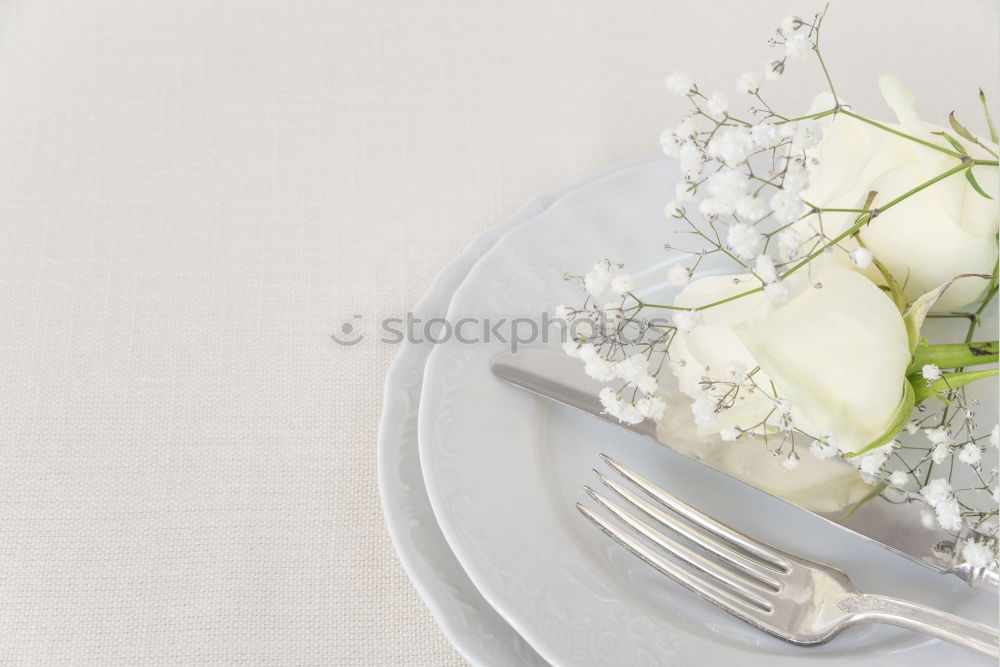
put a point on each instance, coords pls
(792, 598)
(892, 522)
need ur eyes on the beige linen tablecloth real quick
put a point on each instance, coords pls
(194, 195)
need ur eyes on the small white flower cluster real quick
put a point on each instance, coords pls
(742, 193)
(979, 554)
(604, 276)
(938, 494)
(634, 370)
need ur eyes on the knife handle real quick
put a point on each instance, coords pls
(929, 621)
(986, 579)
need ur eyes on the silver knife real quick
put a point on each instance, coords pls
(893, 523)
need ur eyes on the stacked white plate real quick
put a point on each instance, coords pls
(479, 480)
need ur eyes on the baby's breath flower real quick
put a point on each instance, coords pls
(622, 285)
(703, 410)
(600, 369)
(750, 208)
(610, 401)
(683, 192)
(823, 450)
(898, 478)
(674, 209)
(791, 461)
(631, 414)
(937, 436)
(647, 384)
(939, 453)
(717, 104)
(931, 372)
(651, 407)
(596, 280)
(978, 554)
(796, 178)
(789, 243)
(686, 129)
(797, 46)
(687, 320)
(587, 352)
(670, 144)
(749, 82)
(787, 206)
(679, 83)
(773, 70)
(804, 133)
(789, 25)
(765, 135)
(936, 491)
(731, 145)
(995, 436)
(744, 240)
(678, 275)
(711, 209)
(862, 257)
(632, 368)
(949, 514)
(735, 371)
(728, 185)
(692, 161)
(871, 463)
(970, 454)
(764, 267)
(730, 433)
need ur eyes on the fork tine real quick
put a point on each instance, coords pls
(706, 589)
(706, 566)
(759, 550)
(757, 574)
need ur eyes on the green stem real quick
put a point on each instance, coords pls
(812, 116)
(826, 72)
(900, 134)
(867, 217)
(923, 390)
(954, 355)
(861, 222)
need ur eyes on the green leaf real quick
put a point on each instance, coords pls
(896, 424)
(989, 119)
(893, 288)
(959, 128)
(975, 186)
(923, 390)
(914, 316)
(953, 141)
(954, 355)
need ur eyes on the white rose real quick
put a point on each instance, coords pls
(837, 353)
(929, 238)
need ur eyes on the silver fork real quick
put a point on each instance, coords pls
(792, 598)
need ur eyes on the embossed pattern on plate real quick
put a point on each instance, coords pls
(477, 631)
(504, 470)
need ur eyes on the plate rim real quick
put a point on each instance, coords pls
(412, 356)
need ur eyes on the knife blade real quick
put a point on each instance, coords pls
(892, 522)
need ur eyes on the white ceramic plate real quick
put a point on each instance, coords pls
(504, 471)
(477, 631)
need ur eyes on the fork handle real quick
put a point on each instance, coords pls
(930, 621)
